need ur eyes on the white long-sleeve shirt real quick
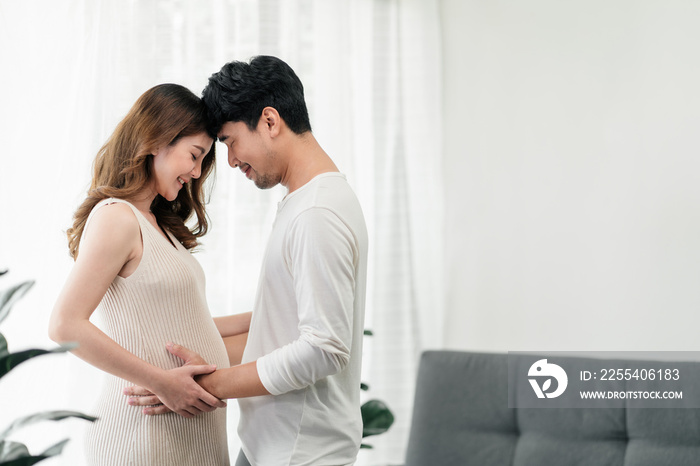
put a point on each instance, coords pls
(306, 331)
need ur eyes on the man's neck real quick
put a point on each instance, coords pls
(306, 160)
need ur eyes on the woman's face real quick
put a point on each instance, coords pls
(177, 164)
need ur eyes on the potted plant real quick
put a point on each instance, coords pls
(376, 415)
(15, 453)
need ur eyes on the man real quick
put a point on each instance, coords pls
(299, 381)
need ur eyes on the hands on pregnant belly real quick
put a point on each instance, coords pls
(176, 390)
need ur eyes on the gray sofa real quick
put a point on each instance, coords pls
(461, 418)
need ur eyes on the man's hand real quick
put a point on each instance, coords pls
(176, 390)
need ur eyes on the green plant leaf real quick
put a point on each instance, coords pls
(368, 332)
(12, 450)
(364, 386)
(364, 445)
(30, 460)
(25, 461)
(3, 345)
(10, 296)
(55, 449)
(376, 418)
(45, 416)
(11, 360)
(3, 272)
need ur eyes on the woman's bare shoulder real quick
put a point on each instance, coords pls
(115, 221)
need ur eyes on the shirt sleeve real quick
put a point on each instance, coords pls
(321, 254)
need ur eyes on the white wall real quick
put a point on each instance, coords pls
(572, 174)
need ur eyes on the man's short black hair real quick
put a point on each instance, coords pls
(240, 91)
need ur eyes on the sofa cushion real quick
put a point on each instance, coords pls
(661, 437)
(584, 437)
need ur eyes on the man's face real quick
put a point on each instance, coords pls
(248, 150)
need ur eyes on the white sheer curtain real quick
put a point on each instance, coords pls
(371, 69)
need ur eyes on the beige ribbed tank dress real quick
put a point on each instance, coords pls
(162, 300)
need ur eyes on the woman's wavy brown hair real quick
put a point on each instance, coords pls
(123, 166)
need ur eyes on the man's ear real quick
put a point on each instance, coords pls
(272, 121)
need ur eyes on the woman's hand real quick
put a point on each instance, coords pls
(176, 390)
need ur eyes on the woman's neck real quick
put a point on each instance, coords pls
(144, 200)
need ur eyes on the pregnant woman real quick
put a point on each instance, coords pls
(134, 270)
